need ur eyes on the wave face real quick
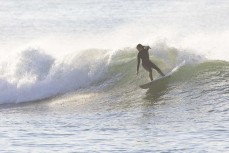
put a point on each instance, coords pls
(34, 75)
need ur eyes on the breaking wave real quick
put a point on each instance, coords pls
(34, 75)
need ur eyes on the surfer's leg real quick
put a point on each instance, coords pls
(157, 68)
(148, 68)
(150, 74)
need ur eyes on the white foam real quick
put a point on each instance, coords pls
(36, 75)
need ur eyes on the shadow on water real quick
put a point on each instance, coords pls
(157, 90)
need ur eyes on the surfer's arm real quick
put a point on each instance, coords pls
(138, 63)
(147, 48)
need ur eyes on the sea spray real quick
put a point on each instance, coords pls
(35, 75)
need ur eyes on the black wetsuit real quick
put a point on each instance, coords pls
(146, 63)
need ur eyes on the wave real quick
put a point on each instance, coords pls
(34, 75)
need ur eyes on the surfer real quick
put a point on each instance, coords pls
(146, 63)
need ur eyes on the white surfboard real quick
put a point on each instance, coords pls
(148, 85)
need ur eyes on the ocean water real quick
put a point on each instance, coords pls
(68, 76)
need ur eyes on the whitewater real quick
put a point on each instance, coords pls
(68, 79)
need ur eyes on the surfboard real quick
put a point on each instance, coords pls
(167, 75)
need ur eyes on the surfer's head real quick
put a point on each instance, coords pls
(139, 47)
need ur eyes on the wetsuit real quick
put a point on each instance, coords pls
(146, 63)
